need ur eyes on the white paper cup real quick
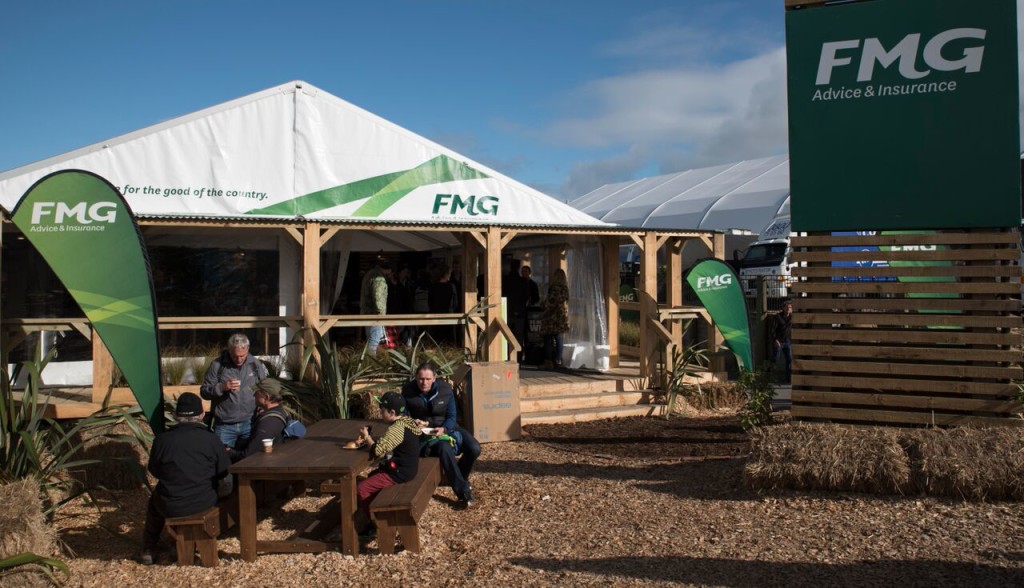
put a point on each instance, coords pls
(268, 445)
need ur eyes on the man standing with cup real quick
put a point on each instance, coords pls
(228, 386)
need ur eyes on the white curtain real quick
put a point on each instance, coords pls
(586, 344)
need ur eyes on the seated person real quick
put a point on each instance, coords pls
(399, 448)
(188, 460)
(432, 402)
(268, 422)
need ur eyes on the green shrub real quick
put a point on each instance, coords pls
(759, 390)
(200, 360)
(683, 377)
(34, 445)
(32, 563)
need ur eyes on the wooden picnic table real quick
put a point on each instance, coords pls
(320, 455)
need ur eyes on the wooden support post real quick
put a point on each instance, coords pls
(102, 369)
(610, 263)
(311, 278)
(470, 296)
(558, 258)
(715, 338)
(648, 293)
(674, 286)
(492, 337)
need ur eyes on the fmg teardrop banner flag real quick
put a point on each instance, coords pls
(85, 231)
(719, 291)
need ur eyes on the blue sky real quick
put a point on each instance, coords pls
(564, 95)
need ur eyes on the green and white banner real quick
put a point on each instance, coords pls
(719, 291)
(86, 233)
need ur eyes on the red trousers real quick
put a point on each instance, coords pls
(368, 489)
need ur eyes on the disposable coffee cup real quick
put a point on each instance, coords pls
(268, 445)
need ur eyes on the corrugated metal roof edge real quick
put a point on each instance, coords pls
(608, 229)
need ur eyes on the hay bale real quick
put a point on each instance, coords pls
(363, 404)
(118, 462)
(973, 463)
(827, 457)
(23, 528)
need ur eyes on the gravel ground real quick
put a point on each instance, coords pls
(589, 505)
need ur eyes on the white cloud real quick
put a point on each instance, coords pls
(711, 107)
(676, 118)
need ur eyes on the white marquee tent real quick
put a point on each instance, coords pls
(745, 195)
(295, 151)
(295, 157)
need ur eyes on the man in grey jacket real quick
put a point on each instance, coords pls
(229, 387)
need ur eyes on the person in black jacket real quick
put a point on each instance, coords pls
(398, 449)
(269, 421)
(432, 403)
(188, 460)
(782, 338)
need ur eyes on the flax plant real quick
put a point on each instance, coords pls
(35, 445)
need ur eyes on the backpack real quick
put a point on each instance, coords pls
(293, 428)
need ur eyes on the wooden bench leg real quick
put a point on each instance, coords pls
(385, 535)
(186, 547)
(208, 552)
(410, 535)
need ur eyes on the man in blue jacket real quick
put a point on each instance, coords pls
(432, 402)
(229, 385)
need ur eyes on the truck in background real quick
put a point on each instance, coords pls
(769, 258)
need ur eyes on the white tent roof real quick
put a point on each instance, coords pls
(745, 195)
(295, 151)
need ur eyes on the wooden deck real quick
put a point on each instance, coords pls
(71, 402)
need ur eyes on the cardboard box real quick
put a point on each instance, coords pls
(493, 398)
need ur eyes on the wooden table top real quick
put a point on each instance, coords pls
(321, 451)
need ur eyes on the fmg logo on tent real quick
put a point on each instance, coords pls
(453, 204)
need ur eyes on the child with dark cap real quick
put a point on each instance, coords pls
(399, 448)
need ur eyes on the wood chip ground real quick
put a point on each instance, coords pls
(626, 502)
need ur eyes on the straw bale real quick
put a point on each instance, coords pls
(111, 470)
(23, 528)
(975, 463)
(827, 457)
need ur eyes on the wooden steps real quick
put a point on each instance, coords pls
(547, 397)
(575, 415)
(583, 401)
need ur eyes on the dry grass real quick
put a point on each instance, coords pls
(23, 528)
(969, 463)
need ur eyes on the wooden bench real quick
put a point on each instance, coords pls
(196, 532)
(397, 509)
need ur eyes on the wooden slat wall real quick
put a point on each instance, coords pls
(869, 352)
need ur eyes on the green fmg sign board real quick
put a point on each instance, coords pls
(903, 114)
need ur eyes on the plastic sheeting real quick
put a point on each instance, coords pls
(586, 344)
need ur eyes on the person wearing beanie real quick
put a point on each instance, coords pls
(398, 449)
(188, 461)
